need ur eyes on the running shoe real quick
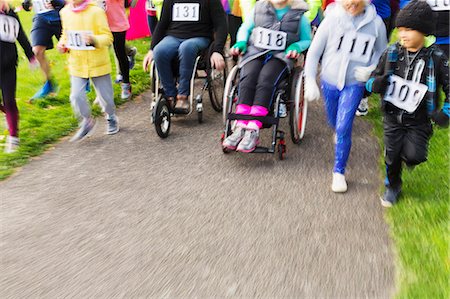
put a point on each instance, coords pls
(249, 141)
(48, 88)
(363, 107)
(126, 91)
(232, 141)
(12, 144)
(113, 125)
(390, 197)
(86, 128)
(131, 57)
(339, 184)
(119, 79)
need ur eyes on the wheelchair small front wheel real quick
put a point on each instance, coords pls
(162, 119)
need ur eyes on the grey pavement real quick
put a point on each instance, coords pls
(134, 216)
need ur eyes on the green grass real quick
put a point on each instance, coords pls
(45, 121)
(420, 221)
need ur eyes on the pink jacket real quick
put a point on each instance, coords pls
(115, 12)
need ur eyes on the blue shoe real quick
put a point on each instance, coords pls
(85, 130)
(45, 90)
(390, 196)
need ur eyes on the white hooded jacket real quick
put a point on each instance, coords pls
(344, 42)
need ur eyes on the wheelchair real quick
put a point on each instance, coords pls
(289, 92)
(213, 81)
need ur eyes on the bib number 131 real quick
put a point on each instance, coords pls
(270, 39)
(356, 46)
(186, 12)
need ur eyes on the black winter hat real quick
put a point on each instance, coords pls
(417, 15)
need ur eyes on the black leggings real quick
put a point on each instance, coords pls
(119, 49)
(8, 81)
(259, 79)
(406, 141)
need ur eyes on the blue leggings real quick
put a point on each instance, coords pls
(341, 106)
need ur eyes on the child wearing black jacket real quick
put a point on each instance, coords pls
(408, 76)
(10, 32)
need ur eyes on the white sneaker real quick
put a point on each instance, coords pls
(12, 144)
(339, 184)
(363, 107)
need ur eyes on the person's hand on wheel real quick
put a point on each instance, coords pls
(217, 61)
(147, 61)
(312, 91)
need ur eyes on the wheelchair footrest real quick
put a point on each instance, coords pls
(262, 150)
(267, 120)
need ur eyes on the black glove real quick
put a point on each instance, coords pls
(26, 5)
(380, 84)
(440, 118)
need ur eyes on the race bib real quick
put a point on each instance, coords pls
(186, 12)
(269, 39)
(39, 6)
(149, 6)
(439, 5)
(9, 29)
(102, 4)
(75, 40)
(355, 46)
(405, 94)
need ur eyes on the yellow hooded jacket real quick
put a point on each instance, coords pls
(88, 63)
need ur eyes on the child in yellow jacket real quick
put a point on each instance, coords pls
(86, 37)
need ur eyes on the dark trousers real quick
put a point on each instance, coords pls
(152, 22)
(121, 53)
(233, 26)
(8, 82)
(405, 140)
(259, 79)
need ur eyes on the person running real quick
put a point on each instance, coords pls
(349, 42)
(183, 31)
(46, 24)
(407, 77)
(11, 31)
(264, 64)
(86, 37)
(118, 23)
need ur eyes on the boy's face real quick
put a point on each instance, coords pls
(354, 7)
(410, 38)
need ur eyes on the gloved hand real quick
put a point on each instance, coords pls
(293, 51)
(380, 84)
(312, 91)
(440, 118)
(238, 48)
(26, 5)
(362, 73)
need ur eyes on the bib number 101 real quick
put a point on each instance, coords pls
(270, 39)
(186, 12)
(76, 41)
(356, 46)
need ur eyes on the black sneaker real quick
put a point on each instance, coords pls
(390, 197)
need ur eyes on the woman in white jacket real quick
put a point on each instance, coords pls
(349, 42)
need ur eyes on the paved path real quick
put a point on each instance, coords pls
(133, 216)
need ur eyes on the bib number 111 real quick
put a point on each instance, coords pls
(356, 46)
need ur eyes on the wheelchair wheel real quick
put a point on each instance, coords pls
(230, 92)
(162, 118)
(298, 108)
(216, 86)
